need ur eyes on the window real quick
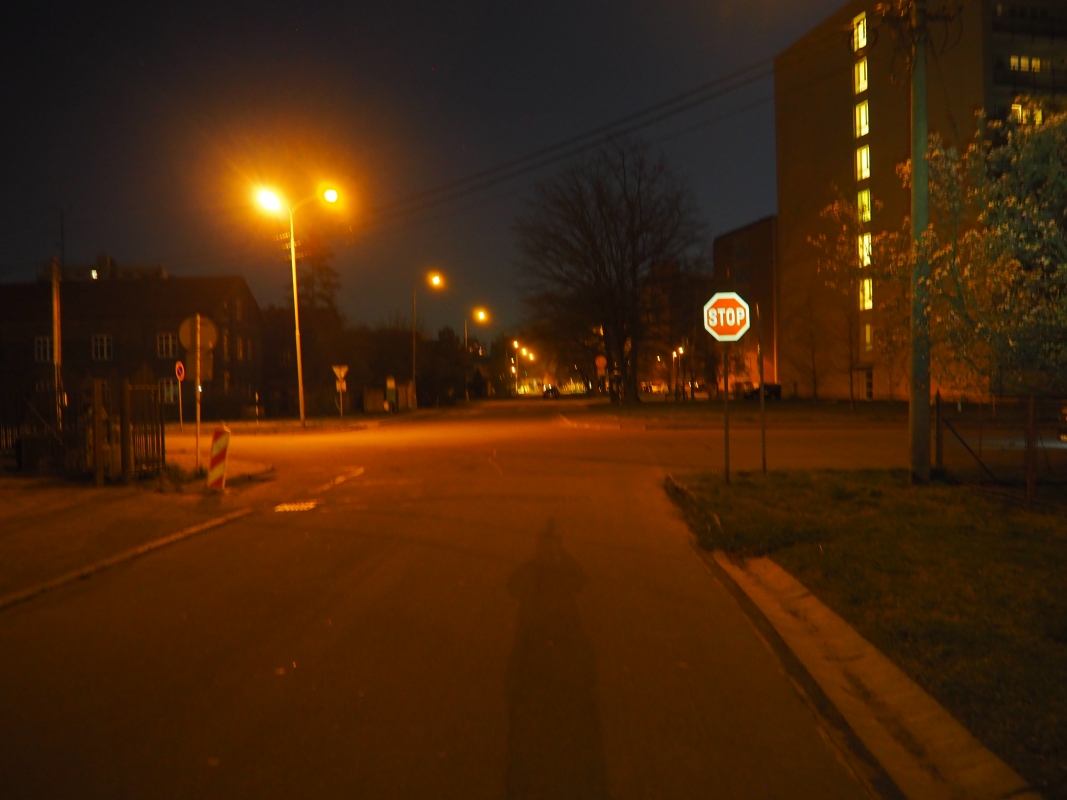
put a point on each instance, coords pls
(859, 73)
(863, 205)
(238, 309)
(1024, 116)
(226, 382)
(869, 384)
(248, 349)
(42, 349)
(101, 347)
(225, 345)
(168, 390)
(859, 32)
(240, 349)
(286, 357)
(864, 247)
(867, 294)
(863, 119)
(868, 338)
(166, 345)
(863, 163)
(1028, 64)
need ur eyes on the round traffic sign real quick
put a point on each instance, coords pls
(601, 362)
(179, 371)
(726, 316)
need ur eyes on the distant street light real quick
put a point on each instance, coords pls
(481, 316)
(436, 281)
(274, 203)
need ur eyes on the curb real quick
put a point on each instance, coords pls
(127, 555)
(923, 749)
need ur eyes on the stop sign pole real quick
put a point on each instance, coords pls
(726, 317)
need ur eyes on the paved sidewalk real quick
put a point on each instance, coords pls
(50, 527)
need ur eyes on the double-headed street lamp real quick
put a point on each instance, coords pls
(525, 353)
(274, 203)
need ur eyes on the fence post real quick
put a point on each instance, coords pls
(939, 450)
(99, 431)
(126, 435)
(1031, 451)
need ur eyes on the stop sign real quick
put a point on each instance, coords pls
(726, 316)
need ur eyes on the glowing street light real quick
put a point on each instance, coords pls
(274, 203)
(481, 316)
(436, 281)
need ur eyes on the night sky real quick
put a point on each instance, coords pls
(152, 125)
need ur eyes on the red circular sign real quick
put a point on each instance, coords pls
(179, 371)
(601, 362)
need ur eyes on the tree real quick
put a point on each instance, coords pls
(998, 252)
(589, 239)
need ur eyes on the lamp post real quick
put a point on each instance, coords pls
(437, 282)
(272, 202)
(481, 316)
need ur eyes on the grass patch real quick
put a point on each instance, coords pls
(965, 593)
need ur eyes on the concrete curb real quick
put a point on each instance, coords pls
(127, 555)
(925, 751)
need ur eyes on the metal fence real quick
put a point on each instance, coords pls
(110, 432)
(1003, 441)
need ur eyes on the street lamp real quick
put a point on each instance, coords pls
(436, 281)
(481, 316)
(274, 203)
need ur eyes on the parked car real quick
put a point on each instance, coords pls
(551, 392)
(771, 391)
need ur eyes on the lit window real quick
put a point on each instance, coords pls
(864, 247)
(1013, 62)
(863, 205)
(1024, 64)
(860, 75)
(863, 119)
(1024, 116)
(240, 349)
(868, 338)
(859, 32)
(93, 273)
(101, 347)
(42, 349)
(166, 345)
(867, 294)
(863, 163)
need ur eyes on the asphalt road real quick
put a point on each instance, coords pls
(495, 603)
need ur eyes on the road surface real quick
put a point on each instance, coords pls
(492, 603)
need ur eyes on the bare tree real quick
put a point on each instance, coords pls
(590, 238)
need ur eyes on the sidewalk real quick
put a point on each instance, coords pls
(50, 528)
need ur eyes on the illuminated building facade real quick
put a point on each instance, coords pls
(842, 104)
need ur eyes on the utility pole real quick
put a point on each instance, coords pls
(919, 401)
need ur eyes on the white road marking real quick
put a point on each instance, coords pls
(355, 473)
(305, 506)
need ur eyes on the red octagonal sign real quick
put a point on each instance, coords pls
(726, 316)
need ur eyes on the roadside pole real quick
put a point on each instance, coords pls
(199, 381)
(726, 406)
(762, 405)
(726, 318)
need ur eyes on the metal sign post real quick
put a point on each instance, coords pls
(727, 318)
(340, 370)
(179, 372)
(199, 379)
(762, 392)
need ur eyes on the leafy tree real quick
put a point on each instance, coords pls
(998, 252)
(589, 239)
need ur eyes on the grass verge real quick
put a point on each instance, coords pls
(964, 592)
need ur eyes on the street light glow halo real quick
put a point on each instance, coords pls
(269, 200)
(330, 195)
